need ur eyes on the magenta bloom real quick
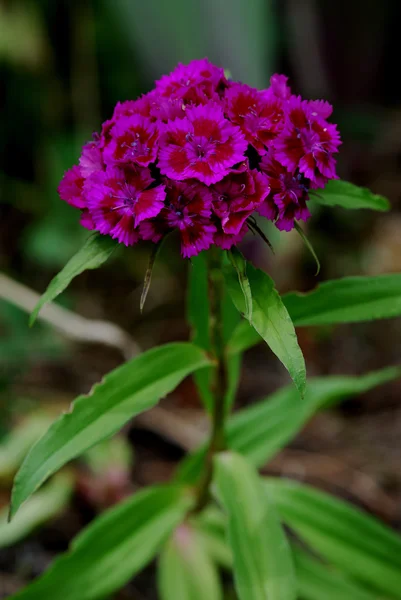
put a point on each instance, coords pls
(199, 155)
(203, 145)
(287, 199)
(308, 142)
(118, 200)
(260, 117)
(188, 209)
(196, 83)
(71, 186)
(133, 140)
(236, 197)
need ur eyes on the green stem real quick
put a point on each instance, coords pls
(219, 381)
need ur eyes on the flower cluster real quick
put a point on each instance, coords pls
(199, 154)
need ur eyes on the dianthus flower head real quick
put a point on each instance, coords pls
(203, 145)
(198, 155)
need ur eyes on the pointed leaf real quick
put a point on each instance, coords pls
(260, 431)
(113, 548)
(307, 243)
(263, 568)
(317, 581)
(239, 264)
(40, 509)
(347, 300)
(348, 538)
(148, 274)
(270, 319)
(186, 571)
(96, 250)
(125, 392)
(348, 195)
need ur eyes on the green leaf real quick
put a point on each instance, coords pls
(270, 319)
(16, 444)
(211, 525)
(47, 504)
(260, 431)
(113, 548)
(317, 581)
(309, 246)
(347, 195)
(128, 390)
(186, 571)
(148, 275)
(96, 250)
(263, 568)
(351, 540)
(347, 300)
(239, 264)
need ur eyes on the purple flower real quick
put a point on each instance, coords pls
(91, 159)
(236, 197)
(197, 83)
(260, 117)
(199, 154)
(203, 145)
(308, 142)
(287, 199)
(118, 200)
(133, 140)
(71, 186)
(188, 210)
(227, 240)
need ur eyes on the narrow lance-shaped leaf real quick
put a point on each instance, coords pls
(96, 250)
(317, 581)
(148, 274)
(307, 243)
(348, 195)
(260, 431)
(263, 568)
(347, 300)
(270, 319)
(40, 509)
(125, 392)
(239, 264)
(186, 571)
(113, 548)
(351, 540)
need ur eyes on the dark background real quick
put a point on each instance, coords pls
(63, 66)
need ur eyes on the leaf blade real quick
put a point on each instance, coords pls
(348, 538)
(346, 300)
(239, 264)
(263, 568)
(96, 250)
(271, 320)
(113, 548)
(186, 571)
(317, 581)
(260, 431)
(350, 196)
(48, 503)
(132, 388)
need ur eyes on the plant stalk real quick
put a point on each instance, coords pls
(219, 381)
